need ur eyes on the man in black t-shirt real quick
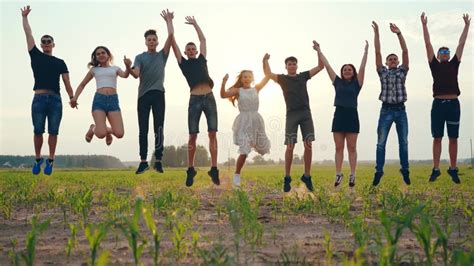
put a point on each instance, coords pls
(201, 101)
(298, 113)
(445, 108)
(47, 100)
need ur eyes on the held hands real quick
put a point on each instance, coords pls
(73, 102)
(25, 11)
(167, 15)
(190, 20)
(127, 62)
(316, 46)
(394, 28)
(424, 19)
(467, 19)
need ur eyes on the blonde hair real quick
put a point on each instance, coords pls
(238, 84)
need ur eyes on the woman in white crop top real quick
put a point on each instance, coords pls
(105, 105)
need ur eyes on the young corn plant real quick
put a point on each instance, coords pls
(328, 247)
(14, 256)
(179, 230)
(131, 230)
(157, 236)
(31, 237)
(94, 235)
(72, 241)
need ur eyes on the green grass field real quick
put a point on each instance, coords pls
(115, 217)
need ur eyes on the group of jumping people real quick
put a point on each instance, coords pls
(248, 127)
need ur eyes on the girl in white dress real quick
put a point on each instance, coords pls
(249, 127)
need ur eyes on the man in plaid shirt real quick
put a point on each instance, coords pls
(393, 97)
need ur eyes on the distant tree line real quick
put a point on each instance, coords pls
(64, 161)
(178, 156)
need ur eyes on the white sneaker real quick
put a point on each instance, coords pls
(236, 180)
(338, 179)
(352, 179)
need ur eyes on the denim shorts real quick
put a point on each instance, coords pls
(46, 106)
(199, 104)
(106, 103)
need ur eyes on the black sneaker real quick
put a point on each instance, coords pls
(352, 180)
(406, 176)
(142, 167)
(214, 174)
(453, 172)
(434, 174)
(307, 181)
(338, 179)
(158, 167)
(190, 174)
(286, 184)
(377, 177)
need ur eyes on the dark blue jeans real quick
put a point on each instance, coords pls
(388, 116)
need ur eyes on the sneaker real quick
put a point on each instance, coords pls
(377, 177)
(434, 174)
(453, 172)
(48, 169)
(158, 167)
(37, 166)
(286, 184)
(338, 179)
(190, 174)
(214, 174)
(236, 180)
(352, 180)
(142, 167)
(307, 181)
(406, 176)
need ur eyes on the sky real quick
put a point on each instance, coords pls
(238, 34)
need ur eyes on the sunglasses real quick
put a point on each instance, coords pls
(46, 41)
(444, 52)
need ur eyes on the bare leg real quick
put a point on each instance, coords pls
(351, 139)
(240, 163)
(339, 157)
(437, 151)
(52, 141)
(288, 158)
(453, 152)
(308, 156)
(213, 148)
(38, 141)
(191, 149)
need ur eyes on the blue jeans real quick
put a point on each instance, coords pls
(46, 106)
(389, 115)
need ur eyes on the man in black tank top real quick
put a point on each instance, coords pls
(445, 108)
(47, 99)
(201, 101)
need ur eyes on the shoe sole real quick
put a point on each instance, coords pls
(141, 172)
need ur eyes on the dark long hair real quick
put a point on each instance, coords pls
(238, 84)
(94, 62)
(354, 77)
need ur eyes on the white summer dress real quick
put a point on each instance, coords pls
(249, 127)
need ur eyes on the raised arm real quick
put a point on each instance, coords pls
(378, 54)
(230, 92)
(128, 64)
(67, 85)
(324, 61)
(320, 66)
(361, 74)
(30, 41)
(426, 36)
(396, 30)
(177, 52)
(462, 39)
(202, 40)
(262, 83)
(267, 70)
(81, 87)
(168, 17)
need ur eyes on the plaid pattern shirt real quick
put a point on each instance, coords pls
(393, 84)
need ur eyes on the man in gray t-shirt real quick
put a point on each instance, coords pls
(149, 66)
